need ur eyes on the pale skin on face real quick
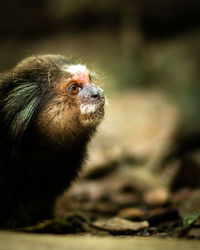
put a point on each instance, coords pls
(80, 73)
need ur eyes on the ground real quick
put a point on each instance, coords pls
(16, 241)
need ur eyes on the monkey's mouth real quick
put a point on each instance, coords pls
(92, 113)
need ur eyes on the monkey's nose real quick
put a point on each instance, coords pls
(91, 93)
(97, 93)
(94, 93)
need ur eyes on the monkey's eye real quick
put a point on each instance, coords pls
(74, 89)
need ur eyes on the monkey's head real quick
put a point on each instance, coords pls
(58, 97)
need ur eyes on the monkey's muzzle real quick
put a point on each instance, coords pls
(92, 103)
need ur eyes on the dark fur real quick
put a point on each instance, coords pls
(33, 172)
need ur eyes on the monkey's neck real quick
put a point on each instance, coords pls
(48, 170)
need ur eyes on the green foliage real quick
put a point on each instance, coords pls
(191, 219)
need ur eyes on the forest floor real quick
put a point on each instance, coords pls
(19, 241)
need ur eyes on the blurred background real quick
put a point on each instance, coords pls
(146, 56)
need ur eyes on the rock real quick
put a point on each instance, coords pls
(157, 197)
(197, 222)
(125, 199)
(159, 215)
(188, 174)
(194, 233)
(180, 195)
(122, 226)
(191, 205)
(131, 213)
(103, 208)
(101, 171)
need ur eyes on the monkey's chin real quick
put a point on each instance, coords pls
(92, 114)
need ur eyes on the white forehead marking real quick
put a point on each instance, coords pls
(76, 69)
(88, 108)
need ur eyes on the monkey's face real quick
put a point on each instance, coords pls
(77, 104)
(88, 97)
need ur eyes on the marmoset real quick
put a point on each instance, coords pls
(49, 109)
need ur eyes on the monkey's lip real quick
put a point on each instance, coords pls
(92, 111)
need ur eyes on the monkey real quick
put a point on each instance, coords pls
(49, 110)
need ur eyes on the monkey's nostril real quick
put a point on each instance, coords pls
(95, 95)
